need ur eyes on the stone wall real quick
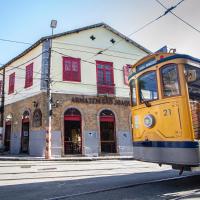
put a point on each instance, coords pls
(90, 112)
(90, 122)
(36, 134)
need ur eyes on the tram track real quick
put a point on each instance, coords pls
(81, 163)
(54, 170)
(119, 187)
(63, 176)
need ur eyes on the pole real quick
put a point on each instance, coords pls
(2, 109)
(49, 107)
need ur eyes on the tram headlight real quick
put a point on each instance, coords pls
(149, 121)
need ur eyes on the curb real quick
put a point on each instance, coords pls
(63, 158)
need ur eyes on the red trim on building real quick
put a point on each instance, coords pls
(107, 118)
(29, 76)
(11, 83)
(72, 118)
(25, 120)
(71, 69)
(8, 122)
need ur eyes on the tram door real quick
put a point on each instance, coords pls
(107, 132)
(7, 136)
(72, 132)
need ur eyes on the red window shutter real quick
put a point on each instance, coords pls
(11, 83)
(71, 69)
(126, 70)
(29, 76)
(1, 86)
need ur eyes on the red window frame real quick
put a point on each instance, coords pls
(107, 84)
(29, 76)
(69, 72)
(11, 86)
(1, 86)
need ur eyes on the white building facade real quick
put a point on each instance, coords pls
(90, 96)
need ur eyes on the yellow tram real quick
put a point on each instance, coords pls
(165, 101)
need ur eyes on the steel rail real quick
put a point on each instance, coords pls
(119, 187)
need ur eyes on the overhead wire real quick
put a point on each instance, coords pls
(90, 47)
(18, 66)
(15, 41)
(185, 22)
(89, 52)
(83, 60)
(139, 29)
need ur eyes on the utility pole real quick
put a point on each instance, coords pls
(49, 99)
(2, 109)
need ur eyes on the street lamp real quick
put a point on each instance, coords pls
(49, 98)
(53, 24)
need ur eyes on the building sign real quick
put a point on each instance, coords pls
(146, 64)
(126, 70)
(101, 100)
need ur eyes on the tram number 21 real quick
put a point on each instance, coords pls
(167, 112)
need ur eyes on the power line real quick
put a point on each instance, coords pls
(79, 45)
(14, 41)
(141, 28)
(191, 26)
(89, 52)
(86, 61)
(18, 66)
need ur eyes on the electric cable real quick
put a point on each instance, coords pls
(141, 28)
(185, 22)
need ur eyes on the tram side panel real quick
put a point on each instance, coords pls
(171, 138)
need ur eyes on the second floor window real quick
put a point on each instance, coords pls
(29, 76)
(71, 69)
(11, 86)
(105, 73)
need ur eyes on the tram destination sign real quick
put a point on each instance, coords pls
(101, 100)
(146, 64)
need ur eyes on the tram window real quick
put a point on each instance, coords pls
(193, 80)
(148, 87)
(170, 81)
(133, 92)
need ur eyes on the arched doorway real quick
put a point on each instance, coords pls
(25, 133)
(107, 132)
(72, 132)
(7, 136)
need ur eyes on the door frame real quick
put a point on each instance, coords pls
(24, 121)
(108, 118)
(77, 118)
(8, 123)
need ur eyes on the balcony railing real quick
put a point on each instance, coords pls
(105, 89)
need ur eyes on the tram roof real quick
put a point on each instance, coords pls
(158, 58)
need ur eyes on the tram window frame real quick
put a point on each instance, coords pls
(133, 100)
(162, 83)
(142, 101)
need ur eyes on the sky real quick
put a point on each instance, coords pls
(29, 20)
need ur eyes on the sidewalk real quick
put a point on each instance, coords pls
(22, 157)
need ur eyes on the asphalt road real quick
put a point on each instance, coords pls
(111, 179)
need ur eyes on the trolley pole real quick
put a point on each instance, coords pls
(49, 100)
(2, 110)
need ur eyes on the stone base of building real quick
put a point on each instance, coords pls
(88, 126)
